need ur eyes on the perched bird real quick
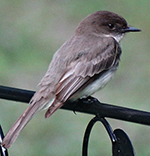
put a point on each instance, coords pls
(80, 67)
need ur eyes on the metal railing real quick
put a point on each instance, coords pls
(121, 144)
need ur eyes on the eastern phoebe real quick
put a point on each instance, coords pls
(80, 67)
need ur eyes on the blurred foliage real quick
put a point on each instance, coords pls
(30, 32)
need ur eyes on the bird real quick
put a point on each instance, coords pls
(84, 64)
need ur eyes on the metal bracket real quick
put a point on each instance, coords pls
(121, 144)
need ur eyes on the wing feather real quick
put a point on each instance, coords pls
(74, 80)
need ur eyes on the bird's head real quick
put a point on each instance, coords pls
(105, 24)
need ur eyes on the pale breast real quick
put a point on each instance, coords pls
(97, 84)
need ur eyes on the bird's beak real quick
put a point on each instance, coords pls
(130, 29)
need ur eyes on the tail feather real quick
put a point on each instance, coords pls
(54, 106)
(13, 133)
(33, 108)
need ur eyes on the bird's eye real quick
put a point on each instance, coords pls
(111, 26)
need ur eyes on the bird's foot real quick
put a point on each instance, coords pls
(88, 100)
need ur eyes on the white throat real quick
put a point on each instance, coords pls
(118, 37)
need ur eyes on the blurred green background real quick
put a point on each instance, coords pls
(30, 32)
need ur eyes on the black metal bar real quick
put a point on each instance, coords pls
(90, 106)
(15, 94)
(3, 151)
(108, 129)
(87, 135)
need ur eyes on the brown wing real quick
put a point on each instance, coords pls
(83, 70)
(75, 79)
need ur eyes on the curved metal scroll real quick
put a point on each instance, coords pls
(121, 144)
